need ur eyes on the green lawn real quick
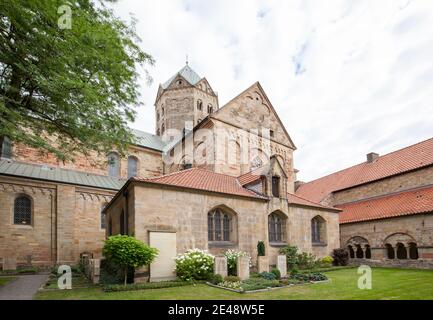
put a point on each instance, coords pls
(387, 284)
(4, 280)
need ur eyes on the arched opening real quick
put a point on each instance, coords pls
(351, 252)
(359, 252)
(277, 227)
(23, 210)
(390, 251)
(413, 251)
(401, 251)
(220, 224)
(113, 164)
(199, 105)
(318, 230)
(367, 252)
(132, 166)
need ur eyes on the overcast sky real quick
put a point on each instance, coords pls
(346, 77)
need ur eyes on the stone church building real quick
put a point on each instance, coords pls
(387, 206)
(211, 177)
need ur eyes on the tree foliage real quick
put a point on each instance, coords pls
(127, 251)
(78, 86)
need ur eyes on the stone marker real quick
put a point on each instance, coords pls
(9, 263)
(282, 265)
(220, 266)
(243, 267)
(262, 264)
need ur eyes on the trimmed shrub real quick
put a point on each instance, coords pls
(144, 286)
(340, 256)
(268, 275)
(259, 283)
(232, 258)
(128, 252)
(232, 279)
(277, 273)
(261, 249)
(306, 260)
(216, 278)
(291, 253)
(195, 264)
(306, 277)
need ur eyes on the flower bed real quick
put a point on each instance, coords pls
(258, 283)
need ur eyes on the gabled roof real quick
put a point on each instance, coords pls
(187, 73)
(54, 174)
(410, 158)
(205, 180)
(414, 201)
(148, 140)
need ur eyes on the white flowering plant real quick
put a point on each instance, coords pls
(194, 264)
(232, 258)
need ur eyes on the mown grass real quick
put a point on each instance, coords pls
(388, 284)
(5, 280)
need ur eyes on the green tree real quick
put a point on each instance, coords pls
(126, 251)
(78, 86)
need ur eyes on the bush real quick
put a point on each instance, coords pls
(326, 261)
(277, 273)
(232, 279)
(306, 260)
(232, 257)
(128, 252)
(144, 286)
(268, 275)
(195, 264)
(340, 256)
(306, 277)
(261, 249)
(111, 273)
(231, 285)
(216, 278)
(291, 253)
(259, 283)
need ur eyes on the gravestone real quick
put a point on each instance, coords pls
(9, 263)
(262, 264)
(282, 265)
(220, 266)
(243, 267)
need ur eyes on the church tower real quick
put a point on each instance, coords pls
(184, 98)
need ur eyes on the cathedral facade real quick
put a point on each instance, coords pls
(211, 177)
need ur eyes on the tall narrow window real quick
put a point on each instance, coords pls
(219, 225)
(132, 166)
(413, 251)
(367, 252)
(23, 210)
(103, 216)
(157, 116)
(209, 109)
(276, 227)
(401, 251)
(162, 129)
(276, 187)
(113, 164)
(199, 105)
(390, 251)
(359, 252)
(122, 223)
(110, 227)
(318, 230)
(5, 148)
(351, 252)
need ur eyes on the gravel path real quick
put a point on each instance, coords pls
(22, 288)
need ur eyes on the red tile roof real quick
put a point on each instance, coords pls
(251, 176)
(201, 179)
(294, 199)
(413, 157)
(414, 201)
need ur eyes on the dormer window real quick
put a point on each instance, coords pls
(276, 186)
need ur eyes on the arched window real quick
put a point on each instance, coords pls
(351, 252)
(199, 105)
(359, 252)
(113, 164)
(401, 251)
(413, 251)
(122, 223)
(367, 252)
(219, 225)
(23, 210)
(162, 129)
(276, 186)
(390, 251)
(132, 166)
(209, 108)
(103, 216)
(276, 227)
(5, 148)
(318, 230)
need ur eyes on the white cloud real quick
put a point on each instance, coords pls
(346, 77)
